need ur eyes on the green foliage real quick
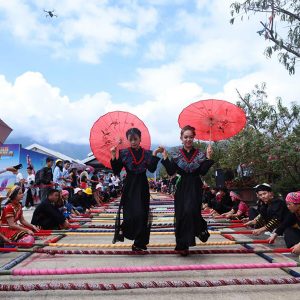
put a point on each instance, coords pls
(282, 26)
(270, 143)
(162, 173)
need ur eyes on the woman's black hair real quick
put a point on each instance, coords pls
(186, 128)
(133, 131)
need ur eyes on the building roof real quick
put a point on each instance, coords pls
(50, 152)
(89, 158)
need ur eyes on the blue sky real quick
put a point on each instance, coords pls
(151, 58)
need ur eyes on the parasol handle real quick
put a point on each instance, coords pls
(119, 142)
(210, 130)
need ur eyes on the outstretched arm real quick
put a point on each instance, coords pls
(116, 163)
(170, 166)
(154, 159)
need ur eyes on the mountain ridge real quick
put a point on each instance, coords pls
(76, 151)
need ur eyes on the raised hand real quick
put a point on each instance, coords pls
(113, 152)
(160, 149)
(209, 151)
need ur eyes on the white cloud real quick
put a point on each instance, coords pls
(37, 109)
(157, 51)
(167, 2)
(215, 43)
(154, 81)
(83, 29)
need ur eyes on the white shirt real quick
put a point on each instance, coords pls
(116, 181)
(66, 175)
(99, 186)
(19, 177)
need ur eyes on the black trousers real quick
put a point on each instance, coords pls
(292, 236)
(29, 198)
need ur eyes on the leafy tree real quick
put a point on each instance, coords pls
(282, 27)
(270, 143)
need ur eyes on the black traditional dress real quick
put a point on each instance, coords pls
(47, 216)
(271, 214)
(188, 196)
(222, 204)
(135, 198)
(290, 227)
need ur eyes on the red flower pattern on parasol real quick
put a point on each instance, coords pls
(110, 130)
(214, 120)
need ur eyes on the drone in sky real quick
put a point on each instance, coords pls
(50, 13)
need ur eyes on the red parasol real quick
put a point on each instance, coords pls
(213, 119)
(110, 130)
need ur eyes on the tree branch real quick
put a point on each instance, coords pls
(286, 12)
(274, 40)
(248, 105)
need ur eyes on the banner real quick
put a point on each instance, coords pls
(9, 156)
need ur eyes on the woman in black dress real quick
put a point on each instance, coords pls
(190, 163)
(135, 200)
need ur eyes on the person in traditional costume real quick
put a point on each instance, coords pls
(239, 210)
(13, 225)
(254, 210)
(271, 212)
(135, 200)
(222, 202)
(3, 239)
(290, 226)
(190, 163)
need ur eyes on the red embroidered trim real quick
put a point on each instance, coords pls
(193, 156)
(134, 159)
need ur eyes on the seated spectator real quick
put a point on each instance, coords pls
(47, 215)
(94, 180)
(98, 194)
(13, 225)
(89, 200)
(254, 211)
(271, 212)
(209, 196)
(67, 208)
(77, 200)
(222, 203)
(290, 226)
(240, 208)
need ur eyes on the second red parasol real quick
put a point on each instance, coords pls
(110, 130)
(214, 120)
